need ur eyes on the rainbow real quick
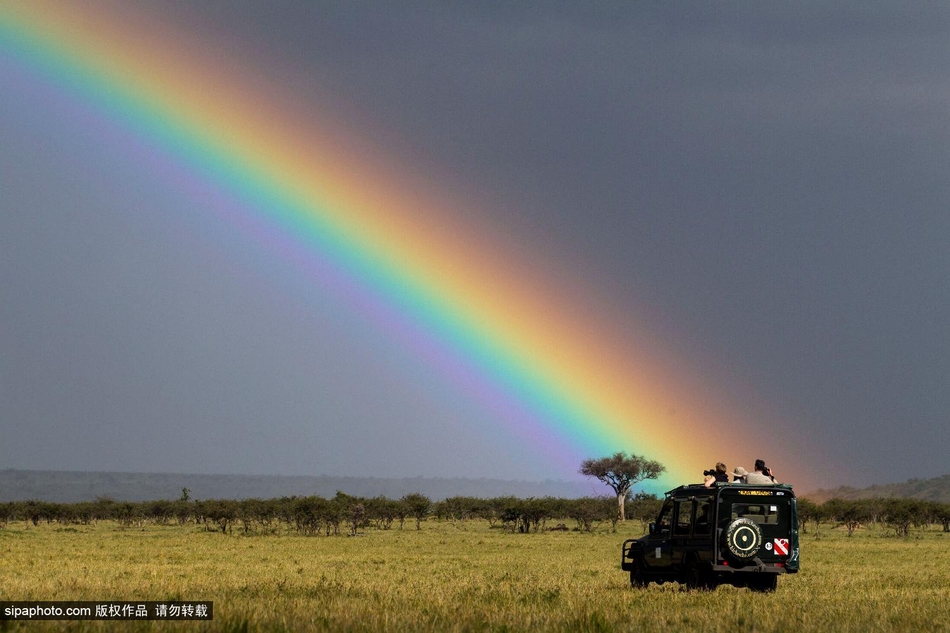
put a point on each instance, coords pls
(557, 370)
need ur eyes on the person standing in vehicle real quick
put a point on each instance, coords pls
(719, 474)
(739, 475)
(762, 474)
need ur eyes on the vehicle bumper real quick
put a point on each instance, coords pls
(750, 569)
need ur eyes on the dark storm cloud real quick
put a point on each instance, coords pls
(765, 185)
(770, 178)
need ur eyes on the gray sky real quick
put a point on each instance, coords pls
(765, 185)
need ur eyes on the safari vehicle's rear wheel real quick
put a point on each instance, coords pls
(764, 582)
(696, 577)
(742, 539)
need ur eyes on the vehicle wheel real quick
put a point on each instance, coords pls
(693, 577)
(637, 579)
(742, 539)
(765, 583)
(696, 577)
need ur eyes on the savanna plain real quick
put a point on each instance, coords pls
(463, 576)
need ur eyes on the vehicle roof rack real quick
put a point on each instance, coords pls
(731, 484)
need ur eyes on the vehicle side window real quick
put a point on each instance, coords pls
(666, 516)
(684, 516)
(703, 524)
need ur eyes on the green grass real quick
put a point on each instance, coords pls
(468, 577)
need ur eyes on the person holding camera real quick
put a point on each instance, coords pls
(762, 475)
(717, 474)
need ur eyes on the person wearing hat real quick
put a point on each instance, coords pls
(739, 475)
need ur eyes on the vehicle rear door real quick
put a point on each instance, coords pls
(772, 512)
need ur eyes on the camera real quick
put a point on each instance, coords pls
(709, 473)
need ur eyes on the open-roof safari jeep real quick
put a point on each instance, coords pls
(740, 534)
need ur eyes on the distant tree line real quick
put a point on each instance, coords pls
(898, 514)
(341, 514)
(346, 514)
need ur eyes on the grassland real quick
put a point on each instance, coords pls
(464, 577)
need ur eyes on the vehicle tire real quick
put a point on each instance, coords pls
(695, 577)
(637, 579)
(765, 583)
(742, 539)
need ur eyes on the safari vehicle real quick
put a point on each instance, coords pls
(739, 534)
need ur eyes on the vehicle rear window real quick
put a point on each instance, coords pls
(761, 513)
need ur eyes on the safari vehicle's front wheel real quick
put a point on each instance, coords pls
(637, 579)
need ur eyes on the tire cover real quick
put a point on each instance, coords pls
(743, 538)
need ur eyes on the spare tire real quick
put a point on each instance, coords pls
(743, 538)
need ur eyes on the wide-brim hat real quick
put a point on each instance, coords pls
(739, 472)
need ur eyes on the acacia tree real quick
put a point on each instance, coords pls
(941, 513)
(417, 506)
(621, 472)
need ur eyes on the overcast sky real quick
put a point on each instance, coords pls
(764, 185)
